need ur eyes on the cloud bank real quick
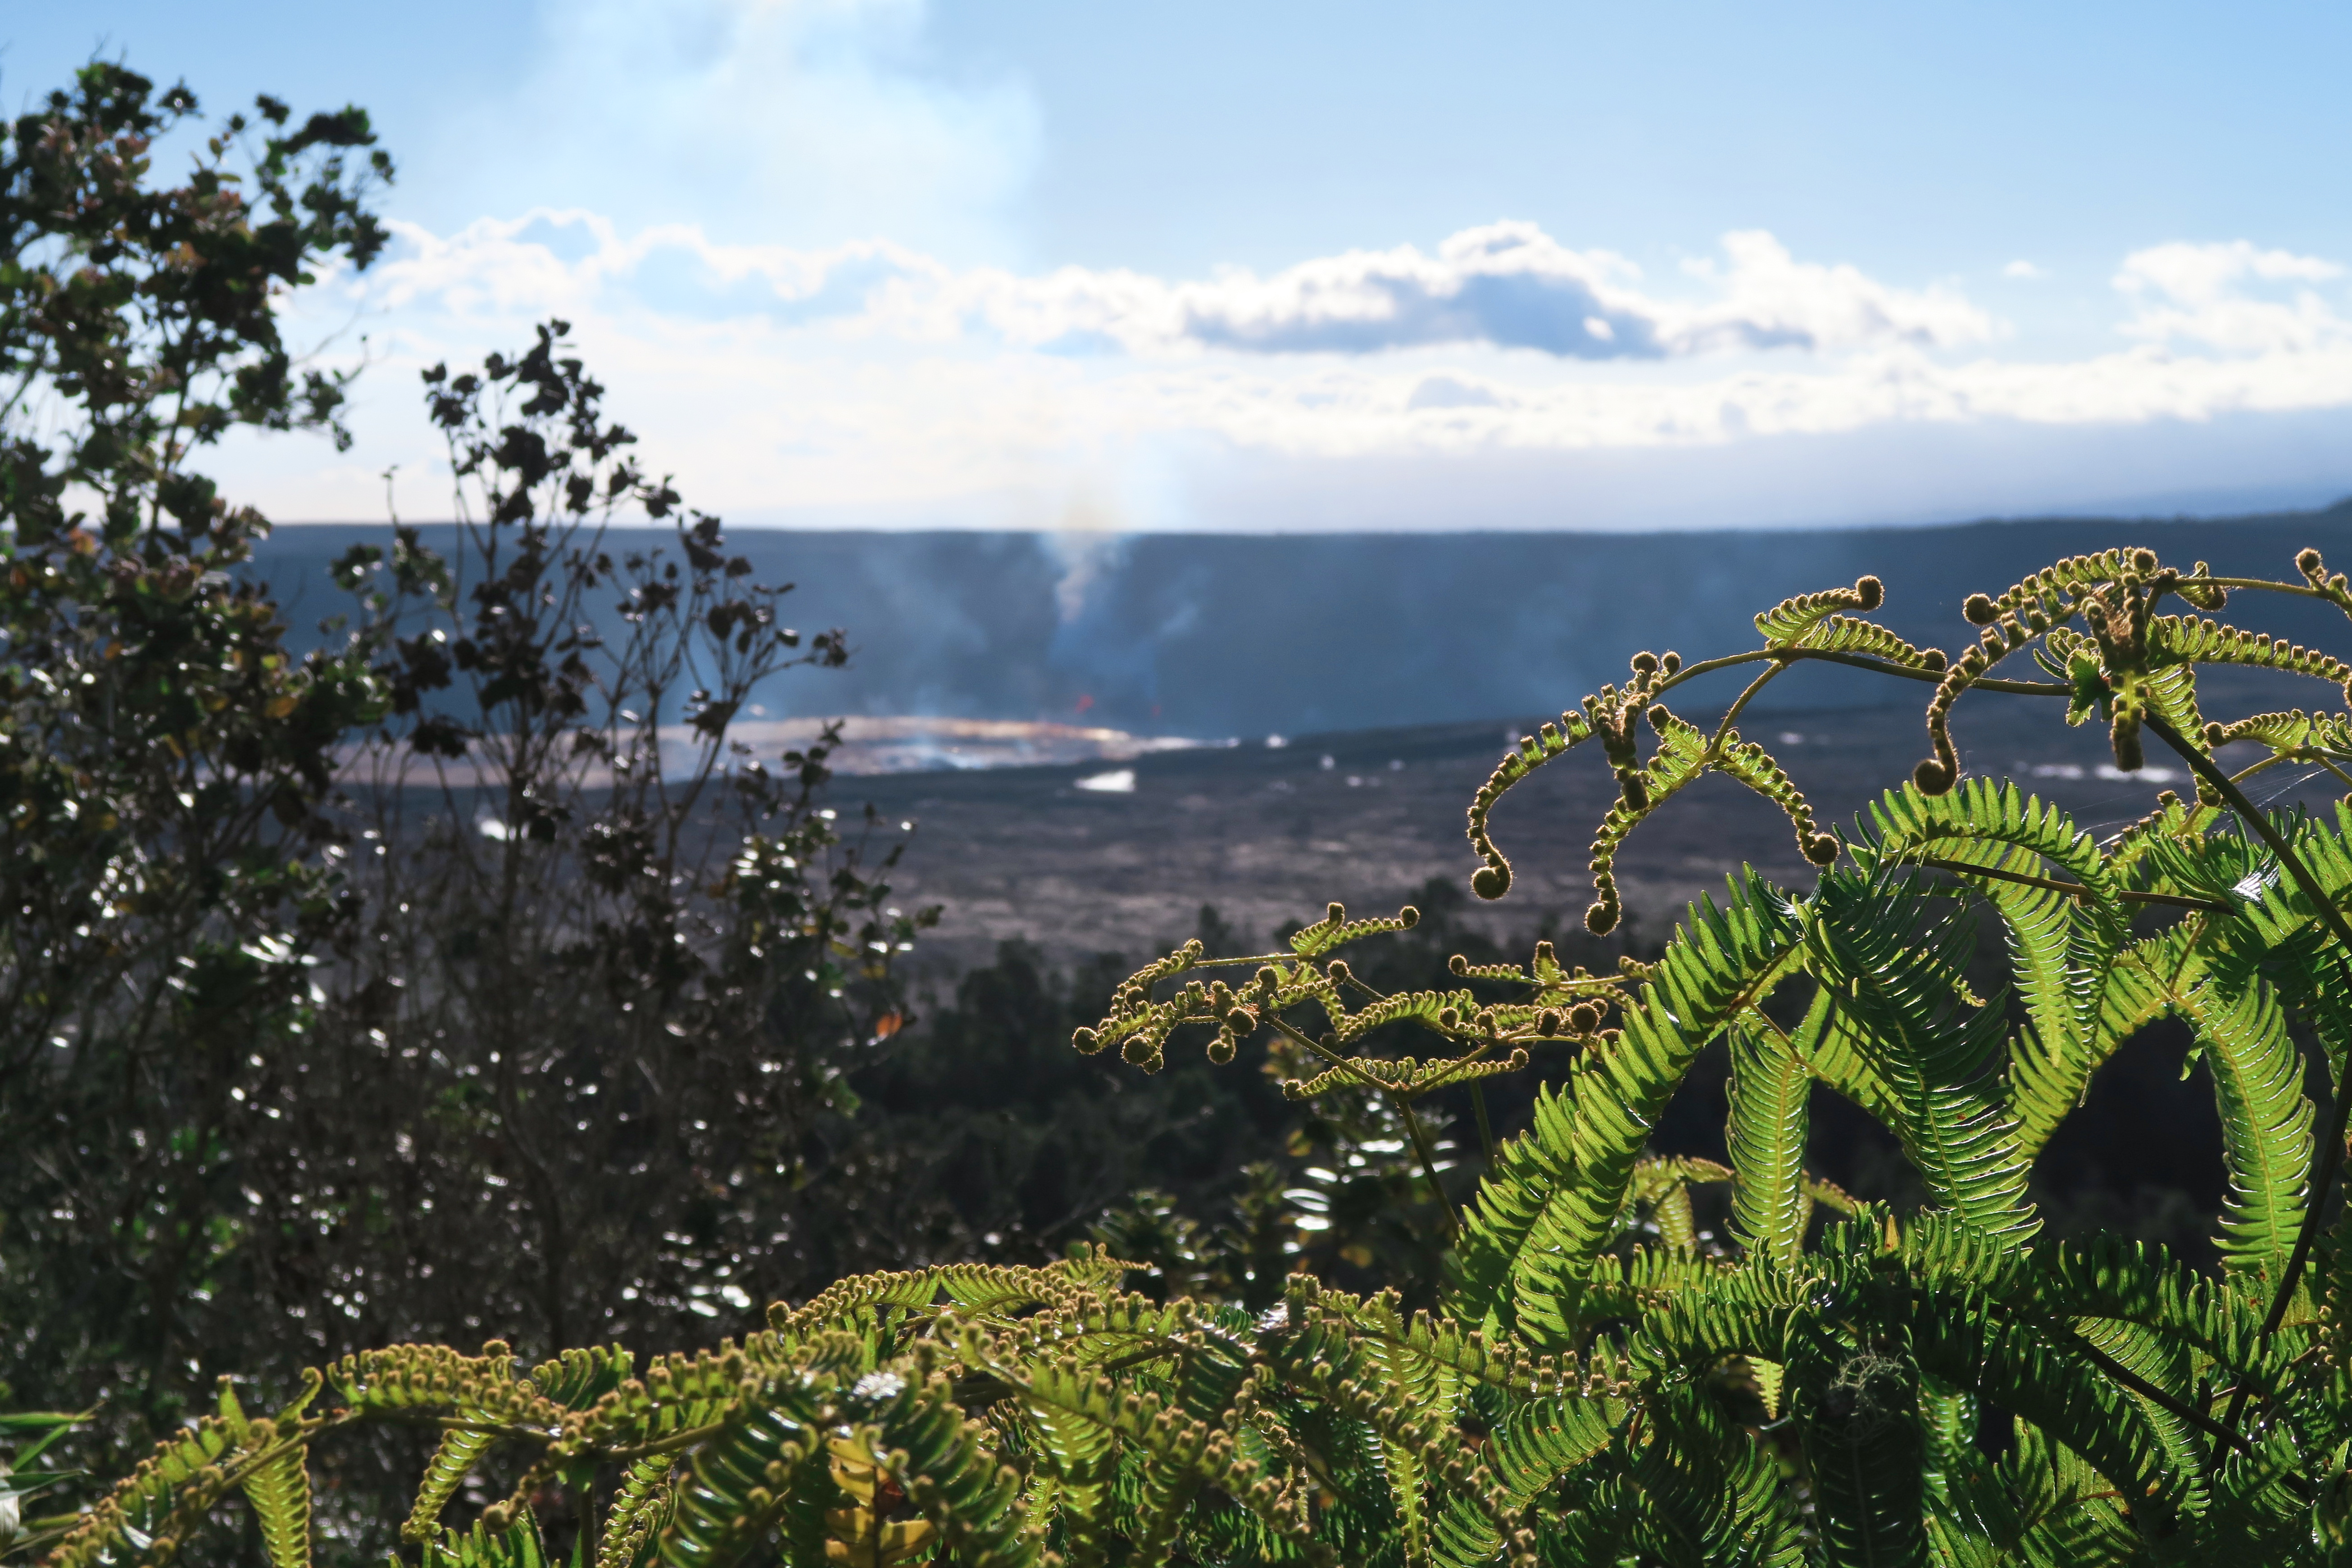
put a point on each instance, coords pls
(1504, 285)
(875, 380)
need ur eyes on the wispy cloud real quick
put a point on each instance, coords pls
(762, 120)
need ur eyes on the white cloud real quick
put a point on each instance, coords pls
(2214, 294)
(1506, 285)
(1772, 300)
(874, 379)
(2022, 269)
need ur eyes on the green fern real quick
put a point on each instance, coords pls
(1606, 1384)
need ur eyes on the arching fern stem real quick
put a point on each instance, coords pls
(2331, 1150)
(2129, 896)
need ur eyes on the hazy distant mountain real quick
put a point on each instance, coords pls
(1224, 635)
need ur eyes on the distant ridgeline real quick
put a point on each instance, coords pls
(1217, 635)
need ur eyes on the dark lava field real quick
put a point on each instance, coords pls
(1269, 834)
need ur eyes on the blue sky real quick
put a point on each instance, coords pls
(1036, 263)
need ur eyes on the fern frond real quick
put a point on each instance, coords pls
(1714, 1497)
(2292, 731)
(640, 1511)
(1493, 878)
(278, 1487)
(1789, 619)
(1551, 1202)
(1952, 1123)
(577, 1378)
(1335, 929)
(1766, 1134)
(2192, 639)
(1843, 634)
(1858, 1409)
(1754, 767)
(1405, 1075)
(455, 1458)
(2265, 1123)
(516, 1544)
(2062, 947)
(2020, 1368)
(156, 1504)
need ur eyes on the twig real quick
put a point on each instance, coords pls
(2076, 888)
(2224, 1430)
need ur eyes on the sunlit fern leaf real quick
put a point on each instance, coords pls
(1840, 1060)
(1788, 621)
(1408, 1487)
(1423, 1383)
(2172, 697)
(1681, 760)
(171, 1490)
(279, 1491)
(640, 1511)
(1420, 1006)
(1770, 1095)
(944, 1463)
(1419, 1445)
(1075, 1448)
(1335, 929)
(577, 1378)
(768, 1452)
(2174, 639)
(1450, 1356)
(1173, 1455)
(1493, 878)
(1543, 1439)
(2062, 947)
(1624, 1286)
(2141, 983)
(918, 1288)
(1552, 1200)
(455, 1458)
(981, 1288)
(2265, 1123)
(516, 1545)
(273, 1462)
(1405, 1075)
(1843, 634)
(1889, 973)
(1753, 766)
(2293, 732)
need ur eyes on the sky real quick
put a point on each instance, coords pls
(1307, 265)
